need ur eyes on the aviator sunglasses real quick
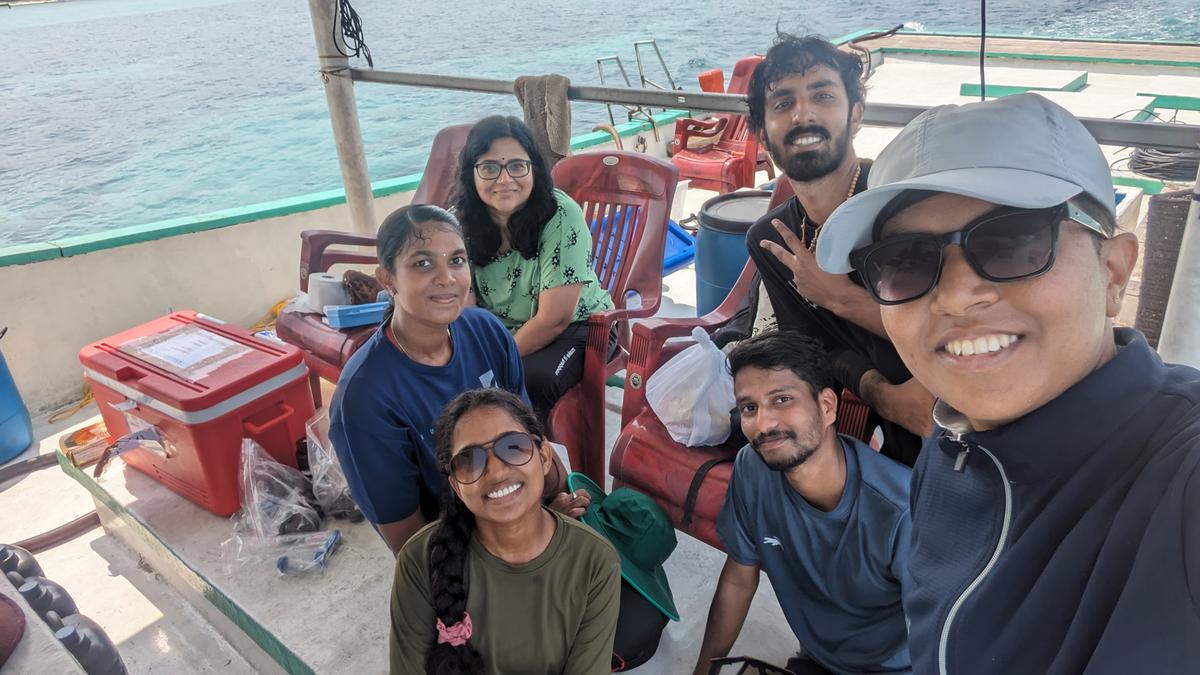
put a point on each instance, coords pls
(1005, 244)
(514, 448)
(490, 170)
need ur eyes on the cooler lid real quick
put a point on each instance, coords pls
(189, 361)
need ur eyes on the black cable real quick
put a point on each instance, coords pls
(982, 45)
(352, 32)
(1172, 165)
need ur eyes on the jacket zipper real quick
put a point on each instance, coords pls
(958, 603)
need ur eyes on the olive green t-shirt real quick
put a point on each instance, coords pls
(509, 285)
(554, 614)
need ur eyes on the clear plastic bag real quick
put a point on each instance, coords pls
(276, 525)
(329, 485)
(288, 553)
(692, 394)
(273, 496)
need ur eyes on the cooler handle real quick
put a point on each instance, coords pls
(259, 429)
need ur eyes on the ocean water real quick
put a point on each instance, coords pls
(123, 112)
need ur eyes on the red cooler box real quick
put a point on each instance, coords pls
(205, 385)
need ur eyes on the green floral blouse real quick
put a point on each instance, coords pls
(509, 285)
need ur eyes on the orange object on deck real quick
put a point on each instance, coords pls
(712, 81)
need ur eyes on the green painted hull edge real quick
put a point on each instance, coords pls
(1148, 185)
(1040, 57)
(191, 576)
(24, 254)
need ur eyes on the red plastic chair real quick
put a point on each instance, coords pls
(327, 349)
(626, 196)
(441, 169)
(645, 456)
(730, 162)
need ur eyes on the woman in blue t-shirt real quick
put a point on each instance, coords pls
(430, 348)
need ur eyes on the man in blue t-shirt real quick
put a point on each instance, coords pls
(824, 515)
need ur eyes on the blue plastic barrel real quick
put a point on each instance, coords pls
(16, 429)
(721, 243)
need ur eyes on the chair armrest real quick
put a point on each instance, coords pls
(315, 258)
(647, 347)
(688, 127)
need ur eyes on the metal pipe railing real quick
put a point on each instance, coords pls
(1106, 131)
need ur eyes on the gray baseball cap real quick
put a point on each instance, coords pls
(1024, 151)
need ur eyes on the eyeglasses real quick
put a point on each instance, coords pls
(516, 168)
(513, 448)
(1006, 244)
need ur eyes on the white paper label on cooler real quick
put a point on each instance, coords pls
(189, 351)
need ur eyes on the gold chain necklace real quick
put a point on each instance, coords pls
(812, 245)
(396, 339)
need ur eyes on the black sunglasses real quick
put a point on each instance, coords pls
(1005, 244)
(490, 170)
(514, 448)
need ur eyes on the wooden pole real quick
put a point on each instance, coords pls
(343, 114)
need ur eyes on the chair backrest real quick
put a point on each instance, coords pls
(783, 191)
(441, 169)
(626, 199)
(738, 129)
(739, 81)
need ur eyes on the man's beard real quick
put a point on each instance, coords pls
(807, 166)
(804, 448)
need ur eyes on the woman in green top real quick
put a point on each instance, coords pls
(531, 254)
(500, 584)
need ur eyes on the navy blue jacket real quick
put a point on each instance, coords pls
(1069, 540)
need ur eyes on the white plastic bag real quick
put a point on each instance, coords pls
(692, 394)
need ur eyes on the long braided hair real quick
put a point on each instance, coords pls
(450, 543)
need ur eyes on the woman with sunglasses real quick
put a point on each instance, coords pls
(500, 584)
(429, 348)
(1056, 517)
(531, 251)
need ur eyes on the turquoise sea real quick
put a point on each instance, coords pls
(123, 112)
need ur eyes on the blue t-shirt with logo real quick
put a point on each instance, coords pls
(837, 575)
(386, 405)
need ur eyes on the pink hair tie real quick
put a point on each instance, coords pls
(456, 635)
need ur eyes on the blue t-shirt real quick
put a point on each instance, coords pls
(383, 413)
(837, 575)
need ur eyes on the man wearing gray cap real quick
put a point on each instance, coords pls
(1056, 517)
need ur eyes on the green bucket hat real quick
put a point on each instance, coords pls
(640, 532)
